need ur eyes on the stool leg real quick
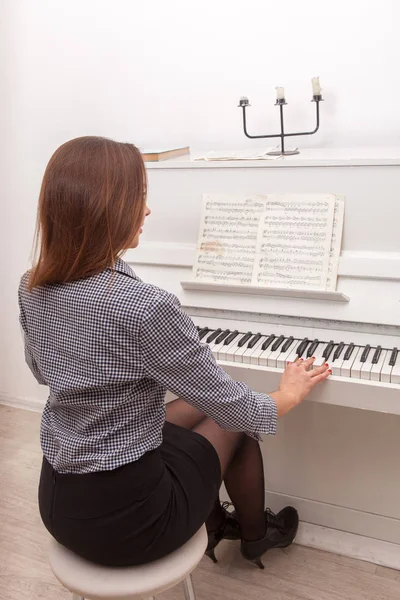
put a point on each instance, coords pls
(188, 588)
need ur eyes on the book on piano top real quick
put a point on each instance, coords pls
(280, 240)
(163, 153)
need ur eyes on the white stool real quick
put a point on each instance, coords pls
(93, 582)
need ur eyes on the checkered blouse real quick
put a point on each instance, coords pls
(108, 347)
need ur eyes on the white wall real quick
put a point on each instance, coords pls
(172, 72)
(166, 72)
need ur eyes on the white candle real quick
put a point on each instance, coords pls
(316, 86)
(280, 93)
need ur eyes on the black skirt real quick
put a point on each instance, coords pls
(139, 512)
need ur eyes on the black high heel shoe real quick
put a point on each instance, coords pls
(228, 530)
(280, 533)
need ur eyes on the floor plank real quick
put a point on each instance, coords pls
(296, 573)
(389, 573)
(301, 553)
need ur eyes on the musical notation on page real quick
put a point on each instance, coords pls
(293, 228)
(227, 240)
(284, 240)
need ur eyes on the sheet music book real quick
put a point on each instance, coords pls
(285, 240)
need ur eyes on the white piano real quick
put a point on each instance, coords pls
(337, 456)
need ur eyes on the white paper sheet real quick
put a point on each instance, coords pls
(290, 240)
(228, 238)
(259, 154)
(295, 241)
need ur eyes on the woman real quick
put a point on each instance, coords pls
(125, 479)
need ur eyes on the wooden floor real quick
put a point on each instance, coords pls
(292, 574)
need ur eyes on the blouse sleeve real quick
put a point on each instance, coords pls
(174, 356)
(29, 357)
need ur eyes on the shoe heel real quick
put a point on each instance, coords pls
(211, 554)
(258, 562)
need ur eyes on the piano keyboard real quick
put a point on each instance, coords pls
(274, 351)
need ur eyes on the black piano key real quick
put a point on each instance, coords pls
(203, 331)
(213, 335)
(301, 348)
(254, 340)
(313, 346)
(244, 339)
(287, 344)
(268, 341)
(328, 350)
(393, 357)
(338, 351)
(377, 354)
(277, 343)
(349, 352)
(231, 337)
(365, 353)
(222, 336)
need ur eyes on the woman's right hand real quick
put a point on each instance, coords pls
(296, 382)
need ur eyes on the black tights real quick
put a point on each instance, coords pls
(241, 466)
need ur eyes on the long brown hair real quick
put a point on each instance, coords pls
(91, 205)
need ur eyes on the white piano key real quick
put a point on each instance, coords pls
(241, 351)
(395, 375)
(293, 355)
(248, 354)
(263, 358)
(233, 350)
(238, 354)
(319, 359)
(273, 357)
(386, 371)
(216, 348)
(355, 371)
(284, 356)
(227, 351)
(258, 350)
(345, 369)
(377, 367)
(367, 366)
(336, 365)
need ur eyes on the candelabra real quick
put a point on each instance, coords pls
(281, 102)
